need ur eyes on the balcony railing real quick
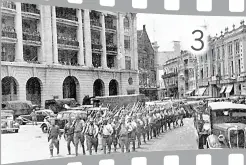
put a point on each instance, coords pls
(96, 46)
(67, 41)
(29, 9)
(95, 22)
(31, 36)
(68, 17)
(111, 47)
(9, 32)
(10, 5)
(110, 26)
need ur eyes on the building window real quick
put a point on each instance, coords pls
(207, 71)
(239, 66)
(201, 73)
(237, 46)
(218, 50)
(30, 54)
(223, 51)
(127, 42)
(128, 63)
(206, 57)
(126, 23)
(230, 49)
(232, 70)
(96, 59)
(213, 71)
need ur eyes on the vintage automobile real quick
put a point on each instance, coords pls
(7, 122)
(18, 107)
(225, 127)
(61, 119)
(58, 105)
(41, 114)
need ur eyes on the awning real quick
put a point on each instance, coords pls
(200, 91)
(222, 89)
(189, 92)
(229, 88)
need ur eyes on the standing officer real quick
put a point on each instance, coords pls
(69, 133)
(106, 132)
(34, 118)
(54, 133)
(123, 130)
(79, 128)
(91, 132)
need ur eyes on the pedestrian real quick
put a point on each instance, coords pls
(54, 136)
(106, 132)
(69, 134)
(123, 130)
(92, 136)
(79, 128)
(34, 118)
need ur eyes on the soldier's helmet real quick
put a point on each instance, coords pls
(122, 120)
(98, 114)
(78, 116)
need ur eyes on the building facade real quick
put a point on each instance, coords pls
(50, 51)
(223, 68)
(146, 65)
(188, 75)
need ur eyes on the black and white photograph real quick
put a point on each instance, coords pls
(82, 82)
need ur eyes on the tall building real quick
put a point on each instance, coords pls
(223, 68)
(146, 65)
(50, 51)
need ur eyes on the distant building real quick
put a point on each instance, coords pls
(146, 65)
(223, 68)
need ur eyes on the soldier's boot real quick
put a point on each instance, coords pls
(69, 150)
(104, 149)
(76, 151)
(83, 148)
(139, 143)
(115, 147)
(58, 150)
(51, 152)
(109, 149)
(133, 146)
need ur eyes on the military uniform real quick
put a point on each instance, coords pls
(54, 132)
(106, 133)
(79, 127)
(123, 131)
(92, 136)
(139, 128)
(146, 128)
(133, 133)
(69, 133)
(115, 137)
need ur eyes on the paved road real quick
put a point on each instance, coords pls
(31, 144)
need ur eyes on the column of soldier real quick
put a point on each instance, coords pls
(126, 128)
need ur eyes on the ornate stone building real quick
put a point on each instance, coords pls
(146, 65)
(50, 51)
(223, 68)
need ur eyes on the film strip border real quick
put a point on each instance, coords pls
(192, 157)
(174, 7)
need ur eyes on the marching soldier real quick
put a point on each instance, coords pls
(132, 134)
(68, 134)
(106, 132)
(79, 128)
(54, 136)
(151, 123)
(123, 130)
(91, 132)
(115, 125)
(146, 129)
(139, 128)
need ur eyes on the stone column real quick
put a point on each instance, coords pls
(54, 31)
(103, 42)
(46, 33)
(18, 29)
(121, 48)
(80, 38)
(87, 33)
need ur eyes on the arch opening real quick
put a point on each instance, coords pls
(9, 89)
(98, 88)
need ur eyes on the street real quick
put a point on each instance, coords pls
(31, 144)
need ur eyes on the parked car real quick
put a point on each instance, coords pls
(58, 105)
(19, 107)
(225, 128)
(61, 119)
(41, 114)
(7, 122)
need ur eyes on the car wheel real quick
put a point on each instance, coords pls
(16, 131)
(45, 129)
(20, 122)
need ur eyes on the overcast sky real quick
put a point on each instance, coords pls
(166, 28)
